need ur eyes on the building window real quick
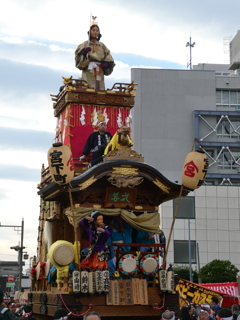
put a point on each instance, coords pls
(228, 99)
(229, 129)
(186, 209)
(181, 251)
(228, 159)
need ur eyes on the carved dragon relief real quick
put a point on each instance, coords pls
(125, 177)
(124, 181)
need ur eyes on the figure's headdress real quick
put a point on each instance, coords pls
(94, 21)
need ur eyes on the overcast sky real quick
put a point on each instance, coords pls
(37, 44)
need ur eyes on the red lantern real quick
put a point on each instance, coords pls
(194, 169)
(60, 163)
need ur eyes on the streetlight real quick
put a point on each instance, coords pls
(18, 248)
(191, 45)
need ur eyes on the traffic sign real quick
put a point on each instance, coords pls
(11, 278)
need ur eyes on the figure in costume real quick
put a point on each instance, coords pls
(96, 143)
(98, 234)
(94, 59)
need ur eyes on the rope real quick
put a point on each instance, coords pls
(163, 304)
(70, 312)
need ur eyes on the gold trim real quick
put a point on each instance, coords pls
(87, 183)
(138, 207)
(100, 92)
(125, 171)
(161, 186)
(97, 206)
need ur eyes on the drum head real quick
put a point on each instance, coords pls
(63, 254)
(149, 264)
(128, 264)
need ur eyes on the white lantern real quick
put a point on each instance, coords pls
(194, 169)
(60, 163)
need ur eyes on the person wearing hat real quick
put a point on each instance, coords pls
(203, 315)
(5, 313)
(27, 313)
(96, 143)
(98, 234)
(224, 314)
(94, 59)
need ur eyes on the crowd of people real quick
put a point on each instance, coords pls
(205, 311)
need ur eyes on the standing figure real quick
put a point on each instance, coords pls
(94, 59)
(96, 143)
(97, 233)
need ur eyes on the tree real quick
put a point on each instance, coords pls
(183, 272)
(218, 271)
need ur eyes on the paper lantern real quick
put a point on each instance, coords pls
(170, 279)
(84, 281)
(98, 281)
(91, 282)
(105, 281)
(194, 169)
(76, 281)
(163, 280)
(60, 163)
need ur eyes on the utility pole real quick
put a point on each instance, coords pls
(190, 45)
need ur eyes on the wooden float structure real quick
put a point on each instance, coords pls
(122, 184)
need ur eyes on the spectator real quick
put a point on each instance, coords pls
(92, 315)
(192, 308)
(184, 314)
(224, 314)
(168, 315)
(5, 312)
(61, 314)
(215, 306)
(27, 313)
(203, 315)
(235, 311)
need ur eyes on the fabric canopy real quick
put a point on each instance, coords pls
(147, 221)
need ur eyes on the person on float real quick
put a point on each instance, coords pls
(94, 59)
(96, 143)
(98, 234)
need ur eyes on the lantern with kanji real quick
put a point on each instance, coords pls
(60, 163)
(194, 169)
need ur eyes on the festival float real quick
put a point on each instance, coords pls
(99, 243)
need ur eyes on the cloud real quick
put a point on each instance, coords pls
(18, 173)
(25, 139)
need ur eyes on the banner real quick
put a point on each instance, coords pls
(199, 294)
(192, 292)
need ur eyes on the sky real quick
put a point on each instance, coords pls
(37, 44)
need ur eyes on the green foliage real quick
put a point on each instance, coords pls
(218, 271)
(183, 272)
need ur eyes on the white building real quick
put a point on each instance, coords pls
(178, 109)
